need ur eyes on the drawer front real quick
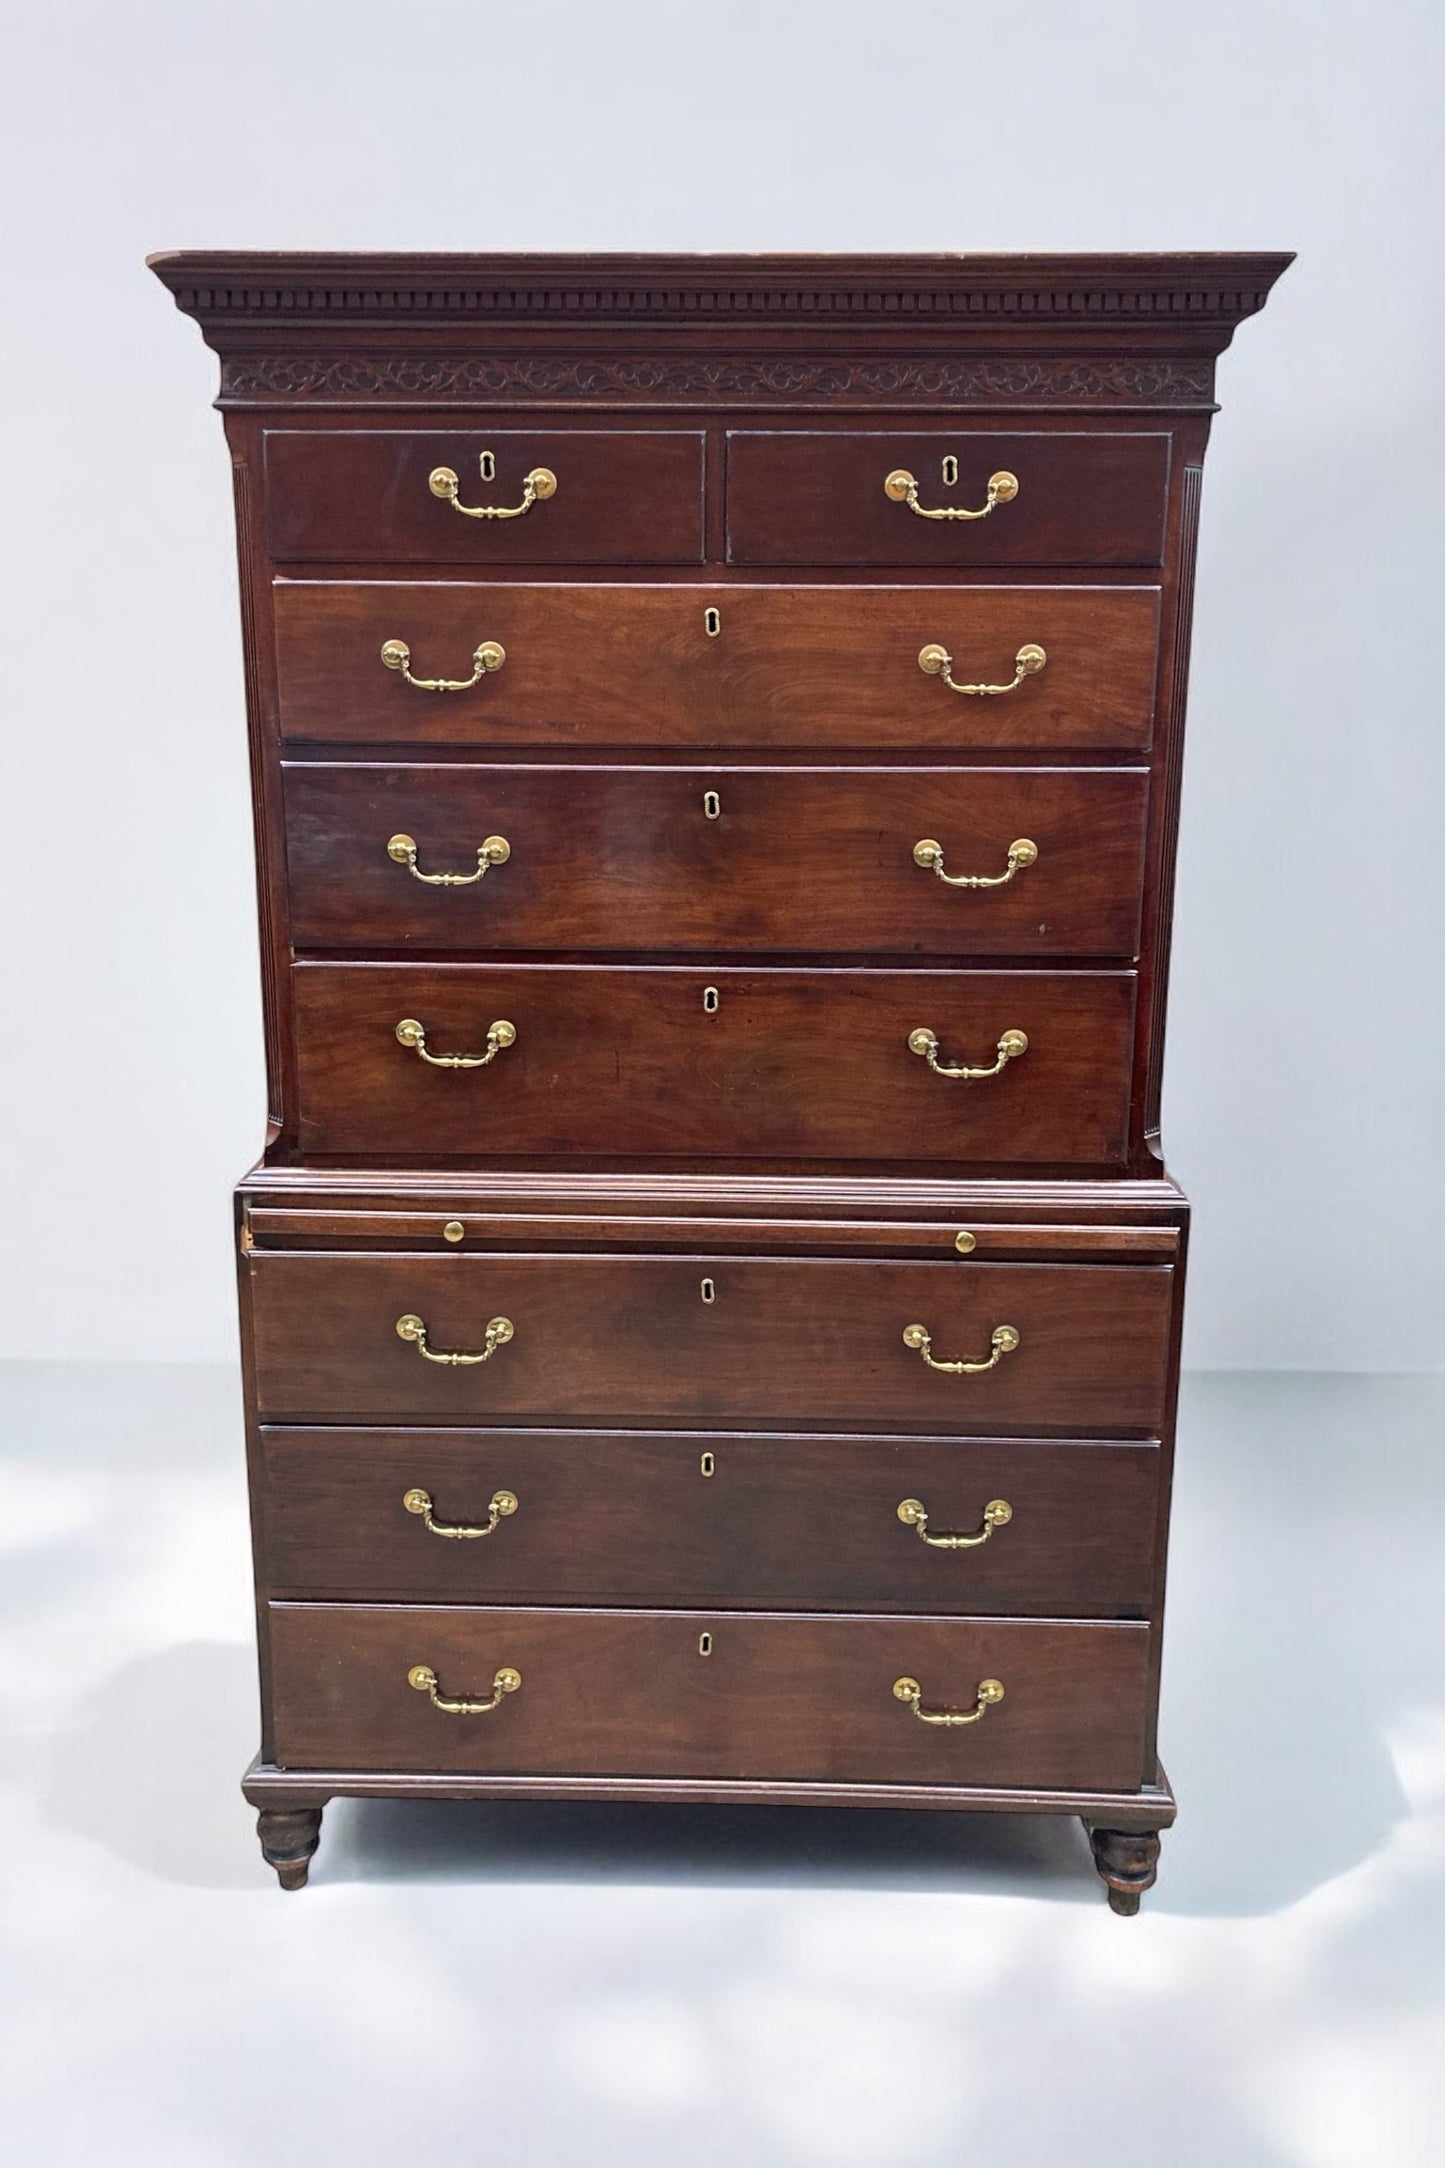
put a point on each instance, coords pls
(785, 1063)
(721, 859)
(365, 496)
(818, 498)
(789, 1523)
(615, 1692)
(811, 1341)
(595, 665)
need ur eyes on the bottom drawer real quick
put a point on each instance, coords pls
(721, 1694)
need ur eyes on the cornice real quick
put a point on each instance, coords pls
(1210, 293)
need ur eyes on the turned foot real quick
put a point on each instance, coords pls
(1127, 1860)
(289, 1836)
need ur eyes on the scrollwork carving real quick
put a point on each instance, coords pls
(558, 379)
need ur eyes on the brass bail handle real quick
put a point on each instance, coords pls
(914, 1514)
(1011, 1045)
(424, 1679)
(489, 656)
(1003, 1340)
(928, 853)
(537, 487)
(413, 1329)
(901, 488)
(503, 1505)
(494, 851)
(500, 1035)
(935, 661)
(990, 1693)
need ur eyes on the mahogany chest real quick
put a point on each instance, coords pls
(711, 1294)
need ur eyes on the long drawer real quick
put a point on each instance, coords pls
(724, 1694)
(718, 859)
(729, 1341)
(574, 665)
(671, 1060)
(1041, 1527)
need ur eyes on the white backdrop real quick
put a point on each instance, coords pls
(1303, 1096)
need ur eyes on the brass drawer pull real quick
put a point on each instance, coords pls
(424, 1679)
(909, 1690)
(935, 661)
(901, 488)
(495, 851)
(499, 1035)
(499, 1332)
(924, 1042)
(1003, 1341)
(540, 484)
(913, 1514)
(489, 656)
(929, 854)
(503, 1504)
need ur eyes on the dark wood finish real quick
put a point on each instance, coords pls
(362, 496)
(792, 1063)
(817, 859)
(816, 498)
(810, 1341)
(783, 1523)
(705, 417)
(289, 1837)
(798, 1697)
(327, 1228)
(1146, 1806)
(818, 667)
(1128, 1864)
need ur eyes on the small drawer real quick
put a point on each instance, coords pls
(709, 1694)
(723, 1341)
(1023, 1067)
(602, 497)
(1028, 1526)
(577, 665)
(1046, 498)
(718, 860)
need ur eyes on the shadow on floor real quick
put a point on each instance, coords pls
(1303, 1633)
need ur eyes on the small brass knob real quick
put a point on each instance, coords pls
(964, 1242)
(454, 1231)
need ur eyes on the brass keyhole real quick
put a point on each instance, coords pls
(708, 1464)
(950, 470)
(704, 1644)
(489, 466)
(712, 621)
(710, 999)
(709, 1292)
(711, 804)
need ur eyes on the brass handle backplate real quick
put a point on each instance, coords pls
(489, 656)
(925, 1042)
(935, 661)
(503, 1504)
(1003, 1340)
(928, 853)
(996, 1514)
(990, 1691)
(901, 488)
(495, 851)
(424, 1679)
(499, 1035)
(540, 484)
(499, 1331)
